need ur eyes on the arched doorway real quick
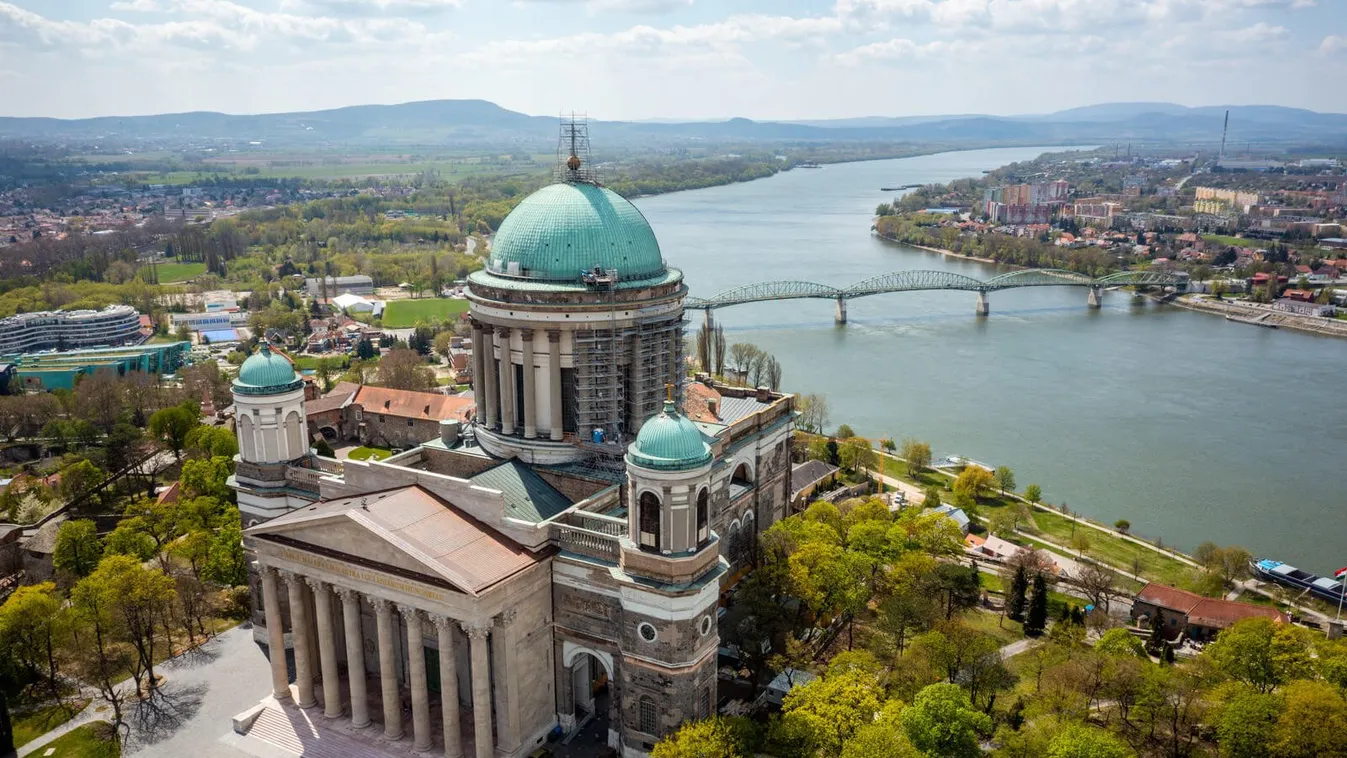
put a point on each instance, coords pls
(591, 715)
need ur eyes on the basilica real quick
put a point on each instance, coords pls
(555, 562)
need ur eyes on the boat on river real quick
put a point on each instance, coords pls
(1321, 587)
(808, 164)
(899, 189)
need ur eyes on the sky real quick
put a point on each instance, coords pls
(672, 59)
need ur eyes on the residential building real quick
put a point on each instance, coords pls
(1192, 615)
(384, 417)
(67, 330)
(209, 321)
(1096, 213)
(1302, 308)
(62, 370)
(1227, 199)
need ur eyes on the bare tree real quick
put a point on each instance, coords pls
(718, 350)
(1099, 584)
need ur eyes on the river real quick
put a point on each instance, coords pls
(1190, 427)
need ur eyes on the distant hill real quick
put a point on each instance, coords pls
(481, 123)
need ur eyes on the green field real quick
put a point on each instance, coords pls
(93, 740)
(175, 272)
(1223, 239)
(30, 725)
(369, 454)
(400, 314)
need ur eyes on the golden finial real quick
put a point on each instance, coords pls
(668, 392)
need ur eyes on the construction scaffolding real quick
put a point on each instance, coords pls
(656, 350)
(573, 158)
(620, 376)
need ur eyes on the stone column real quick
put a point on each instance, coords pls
(327, 648)
(478, 387)
(489, 375)
(453, 735)
(299, 640)
(388, 670)
(271, 608)
(530, 400)
(554, 381)
(507, 683)
(506, 381)
(416, 675)
(481, 688)
(355, 657)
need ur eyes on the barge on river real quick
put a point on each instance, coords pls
(1321, 587)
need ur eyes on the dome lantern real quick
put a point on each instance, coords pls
(669, 442)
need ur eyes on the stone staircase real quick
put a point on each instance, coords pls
(301, 733)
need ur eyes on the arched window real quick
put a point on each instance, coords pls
(647, 715)
(648, 520)
(703, 516)
(247, 443)
(742, 477)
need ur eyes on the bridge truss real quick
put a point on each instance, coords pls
(916, 280)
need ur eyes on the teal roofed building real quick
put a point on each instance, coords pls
(267, 372)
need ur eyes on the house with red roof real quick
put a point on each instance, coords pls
(1194, 616)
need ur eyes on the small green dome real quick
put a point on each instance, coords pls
(669, 442)
(564, 229)
(267, 372)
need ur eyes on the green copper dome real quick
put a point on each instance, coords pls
(669, 442)
(267, 372)
(564, 229)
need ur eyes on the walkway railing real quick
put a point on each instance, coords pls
(586, 542)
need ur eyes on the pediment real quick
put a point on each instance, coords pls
(346, 536)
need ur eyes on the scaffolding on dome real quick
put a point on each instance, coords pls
(574, 163)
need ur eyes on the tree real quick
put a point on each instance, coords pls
(403, 369)
(1122, 525)
(172, 425)
(33, 625)
(80, 479)
(1081, 741)
(906, 610)
(1260, 653)
(1119, 642)
(207, 477)
(833, 707)
(209, 441)
(856, 454)
(844, 432)
(973, 482)
(226, 562)
(931, 497)
(742, 356)
(917, 454)
(1005, 478)
(884, 737)
(1098, 583)
(365, 349)
(1246, 720)
(941, 721)
(813, 410)
(1016, 597)
(1311, 722)
(78, 548)
(1033, 493)
(959, 586)
(138, 597)
(1003, 522)
(1036, 618)
(717, 737)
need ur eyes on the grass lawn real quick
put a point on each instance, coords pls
(94, 740)
(1115, 550)
(310, 362)
(33, 724)
(400, 314)
(369, 453)
(176, 272)
(1223, 239)
(991, 624)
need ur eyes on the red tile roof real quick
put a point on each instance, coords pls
(1169, 598)
(1204, 611)
(697, 399)
(416, 405)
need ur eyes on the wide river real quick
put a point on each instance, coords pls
(1190, 427)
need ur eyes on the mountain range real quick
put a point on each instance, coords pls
(480, 122)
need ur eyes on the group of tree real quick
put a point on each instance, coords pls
(752, 365)
(120, 604)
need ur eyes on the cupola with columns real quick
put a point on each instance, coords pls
(669, 485)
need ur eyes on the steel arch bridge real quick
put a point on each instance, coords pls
(915, 280)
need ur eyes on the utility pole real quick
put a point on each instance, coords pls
(1224, 130)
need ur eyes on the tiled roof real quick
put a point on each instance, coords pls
(1170, 598)
(416, 405)
(447, 542)
(528, 497)
(1217, 613)
(334, 400)
(808, 474)
(697, 398)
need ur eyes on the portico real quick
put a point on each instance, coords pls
(407, 632)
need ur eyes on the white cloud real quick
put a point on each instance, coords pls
(369, 7)
(638, 6)
(1333, 44)
(1259, 33)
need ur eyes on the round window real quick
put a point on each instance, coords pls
(647, 632)
(706, 625)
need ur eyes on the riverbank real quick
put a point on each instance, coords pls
(1281, 319)
(943, 251)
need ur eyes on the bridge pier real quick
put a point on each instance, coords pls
(982, 307)
(841, 316)
(1094, 297)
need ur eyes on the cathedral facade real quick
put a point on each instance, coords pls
(554, 565)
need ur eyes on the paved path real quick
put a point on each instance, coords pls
(191, 716)
(1015, 648)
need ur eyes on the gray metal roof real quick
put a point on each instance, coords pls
(528, 497)
(734, 408)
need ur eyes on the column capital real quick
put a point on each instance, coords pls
(475, 630)
(288, 576)
(505, 618)
(409, 612)
(442, 623)
(503, 331)
(485, 327)
(526, 334)
(264, 571)
(317, 585)
(381, 605)
(553, 335)
(346, 594)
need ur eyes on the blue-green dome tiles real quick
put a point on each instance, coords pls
(267, 372)
(564, 229)
(669, 442)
